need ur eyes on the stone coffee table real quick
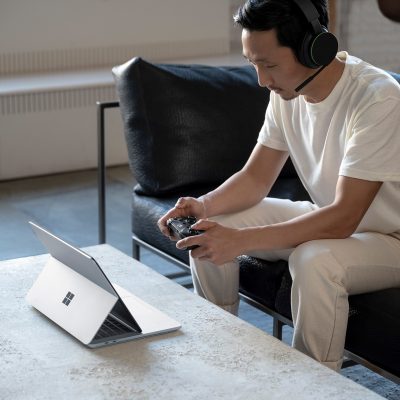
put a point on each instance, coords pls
(213, 356)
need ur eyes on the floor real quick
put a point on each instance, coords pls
(67, 205)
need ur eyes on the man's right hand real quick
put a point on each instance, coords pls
(184, 207)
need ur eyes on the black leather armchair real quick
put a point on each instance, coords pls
(187, 129)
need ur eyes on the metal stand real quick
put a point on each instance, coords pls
(101, 166)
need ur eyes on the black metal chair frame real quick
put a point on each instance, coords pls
(278, 320)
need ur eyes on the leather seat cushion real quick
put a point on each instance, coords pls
(260, 279)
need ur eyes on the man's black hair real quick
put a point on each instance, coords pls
(282, 15)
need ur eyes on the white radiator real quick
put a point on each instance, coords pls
(48, 120)
(98, 57)
(56, 131)
(26, 103)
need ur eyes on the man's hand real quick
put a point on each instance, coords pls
(217, 244)
(184, 207)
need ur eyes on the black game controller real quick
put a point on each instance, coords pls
(181, 228)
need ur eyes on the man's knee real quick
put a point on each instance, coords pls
(314, 262)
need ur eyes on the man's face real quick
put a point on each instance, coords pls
(277, 67)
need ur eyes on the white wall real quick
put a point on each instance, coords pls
(48, 119)
(35, 27)
(235, 31)
(364, 32)
(44, 24)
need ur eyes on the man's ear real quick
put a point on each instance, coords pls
(390, 9)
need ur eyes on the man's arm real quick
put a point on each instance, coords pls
(248, 186)
(338, 220)
(335, 221)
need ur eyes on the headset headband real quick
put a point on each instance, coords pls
(318, 47)
(311, 14)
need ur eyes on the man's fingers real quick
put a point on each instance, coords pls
(203, 224)
(181, 202)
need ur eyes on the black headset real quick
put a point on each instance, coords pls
(318, 47)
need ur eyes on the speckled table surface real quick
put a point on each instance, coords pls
(214, 355)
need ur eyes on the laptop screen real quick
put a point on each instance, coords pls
(75, 258)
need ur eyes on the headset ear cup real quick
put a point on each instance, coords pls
(323, 48)
(318, 50)
(304, 54)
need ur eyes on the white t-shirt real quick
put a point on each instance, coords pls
(354, 132)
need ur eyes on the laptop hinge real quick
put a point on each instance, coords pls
(120, 312)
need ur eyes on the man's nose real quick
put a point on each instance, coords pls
(264, 78)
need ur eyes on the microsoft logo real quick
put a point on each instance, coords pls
(68, 298)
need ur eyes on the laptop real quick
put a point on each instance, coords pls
(75, 293)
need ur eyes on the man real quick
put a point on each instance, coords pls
(340, 123)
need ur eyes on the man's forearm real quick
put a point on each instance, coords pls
(248, 186)
(335, 221)
(325, 223)
(239, 192)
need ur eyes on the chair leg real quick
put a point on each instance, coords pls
(135, 251)
(348, 363)
(277, 328)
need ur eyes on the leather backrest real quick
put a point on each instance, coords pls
(188, 125)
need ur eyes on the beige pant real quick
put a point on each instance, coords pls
(324, 273)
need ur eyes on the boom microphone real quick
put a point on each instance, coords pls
(308, 80)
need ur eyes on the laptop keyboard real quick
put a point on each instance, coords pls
(111, 327)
